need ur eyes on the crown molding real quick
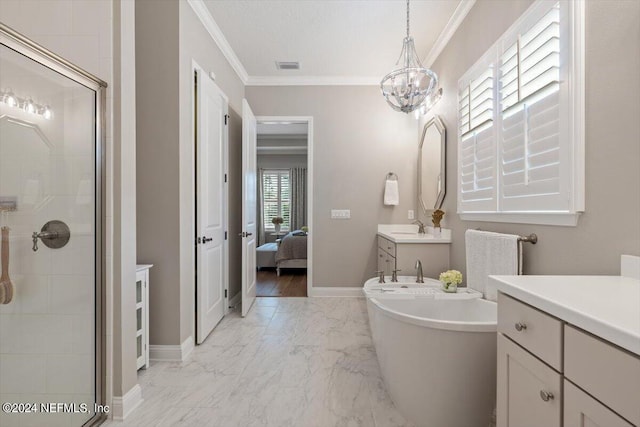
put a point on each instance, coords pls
(448, 31)
(313, 81)
(215, 32)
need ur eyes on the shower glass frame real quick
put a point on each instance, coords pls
(24, 46)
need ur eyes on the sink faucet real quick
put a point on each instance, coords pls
(420, 227)
(419, 275)
(394, 275)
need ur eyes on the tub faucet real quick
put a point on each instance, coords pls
(419, 275)
(394, 275)
(380, 276)
(420, 227)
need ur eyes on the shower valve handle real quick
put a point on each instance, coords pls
(42, 235)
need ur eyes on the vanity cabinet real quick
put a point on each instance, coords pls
(553, 374)
(403, 256)
(142, 316)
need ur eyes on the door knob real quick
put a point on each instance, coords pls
(546, 395)
(245, 234)
(206, 239)
(520, 326)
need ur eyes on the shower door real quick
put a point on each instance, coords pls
(51, 339)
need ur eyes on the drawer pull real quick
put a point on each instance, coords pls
(389, 247)
(546, 395)
(520, 326)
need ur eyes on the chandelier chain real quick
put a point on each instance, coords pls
(407, 18)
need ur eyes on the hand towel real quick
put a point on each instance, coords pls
(391, 193)
(490, 253)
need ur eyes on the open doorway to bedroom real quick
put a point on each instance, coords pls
(283, 196)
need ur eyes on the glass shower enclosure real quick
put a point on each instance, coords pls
(51, 218)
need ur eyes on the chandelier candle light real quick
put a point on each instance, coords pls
(406, 89)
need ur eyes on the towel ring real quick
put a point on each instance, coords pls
(392, 175)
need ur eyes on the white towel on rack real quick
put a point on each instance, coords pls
(391, 193)
(490, 253)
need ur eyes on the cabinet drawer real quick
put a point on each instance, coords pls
(529, 392)
(606, 372)
(582, 410)
(536, 331)
(387, 245)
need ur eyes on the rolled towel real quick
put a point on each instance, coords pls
(391, 193)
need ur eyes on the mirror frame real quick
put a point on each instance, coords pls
(437, 122)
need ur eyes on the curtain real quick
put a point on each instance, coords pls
(259, 222)
(298, 213)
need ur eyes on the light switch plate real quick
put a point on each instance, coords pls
(411, 214)
(340, 214)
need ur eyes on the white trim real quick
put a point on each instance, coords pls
(448, 31)
(237, 298)
(172, 353)
(218, 37)
(122, 406)
(309, 121)
(334, 291)
(542, 218)
(313, 81)
(578, 91)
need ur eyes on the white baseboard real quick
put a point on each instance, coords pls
(122, 406)
(330, 291)
(235, 300)
(630, 266)
(171, 353)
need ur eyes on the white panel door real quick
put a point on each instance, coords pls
(249, 207)
(211, 262)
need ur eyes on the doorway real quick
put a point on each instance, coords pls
(284, 201)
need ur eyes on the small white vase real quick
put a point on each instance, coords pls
(277, 226)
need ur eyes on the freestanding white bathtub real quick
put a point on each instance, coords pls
(437, 352)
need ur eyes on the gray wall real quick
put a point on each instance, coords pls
(611, 224)
(169, 37)
(357, 139)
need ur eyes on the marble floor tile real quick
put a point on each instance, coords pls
(303, 362)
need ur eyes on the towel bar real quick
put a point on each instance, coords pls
(531, 238)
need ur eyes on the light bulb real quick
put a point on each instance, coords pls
(10, 99)
(46, 113)
(29, 106)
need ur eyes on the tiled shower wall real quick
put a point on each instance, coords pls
(43, 333)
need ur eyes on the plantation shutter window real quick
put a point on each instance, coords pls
(276, 195)
(537, 131)
(477, 141)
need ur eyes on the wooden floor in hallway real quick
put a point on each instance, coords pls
(290, 283)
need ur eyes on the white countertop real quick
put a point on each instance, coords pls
(141, 267)
(606, 306)
(408, 233)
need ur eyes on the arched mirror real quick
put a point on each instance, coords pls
(432, 165)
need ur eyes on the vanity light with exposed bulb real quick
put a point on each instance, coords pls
(26, 104)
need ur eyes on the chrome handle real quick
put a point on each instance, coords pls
(245, 234)
(206, 239)
(520, 326)
(546, 395)
(54, 234)
(380, 274)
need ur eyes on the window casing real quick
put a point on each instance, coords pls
(276, 198)
(522, 160)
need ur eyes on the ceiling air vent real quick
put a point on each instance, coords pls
(284, 65)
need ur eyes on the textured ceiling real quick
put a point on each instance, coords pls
(333, 38)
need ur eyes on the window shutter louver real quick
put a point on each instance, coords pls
(276, 195)
(477, 151)
(529, 138)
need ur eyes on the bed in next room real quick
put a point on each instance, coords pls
(292, 251)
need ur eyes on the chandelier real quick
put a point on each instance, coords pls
(407, 88)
